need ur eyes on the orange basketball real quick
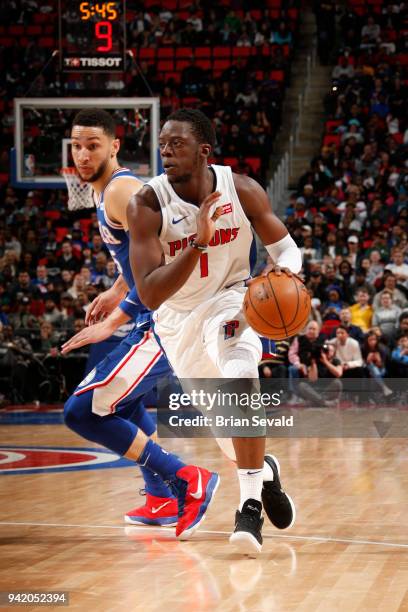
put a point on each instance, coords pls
(277, 306)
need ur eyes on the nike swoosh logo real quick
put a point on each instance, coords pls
(155, 510)
(175, 221)
(255, 472)
(199, 491)
(142, 323)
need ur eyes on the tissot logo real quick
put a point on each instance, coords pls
(93, 62)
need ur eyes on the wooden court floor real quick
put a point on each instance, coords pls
(348, 550)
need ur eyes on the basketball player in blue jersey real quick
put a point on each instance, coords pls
(190, 238)
(99, 407)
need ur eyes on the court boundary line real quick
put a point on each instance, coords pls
(323, 539)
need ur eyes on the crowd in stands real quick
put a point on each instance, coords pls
(349, 215)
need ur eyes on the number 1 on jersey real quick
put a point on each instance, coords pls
(203, 265)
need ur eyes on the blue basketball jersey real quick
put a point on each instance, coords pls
(114, 236)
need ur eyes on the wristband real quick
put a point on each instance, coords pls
(198, 247)
(286, 254)
(131, 305)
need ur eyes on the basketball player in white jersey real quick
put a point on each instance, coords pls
(190, 238)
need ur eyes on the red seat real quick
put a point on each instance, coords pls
(54, 215)
(221, 64)
(329, 326)
(16, 30)
(184, 52)
(242, 51)
(277, 75)
(165, 52)
(181, 64)
(202, 52)
(330, 139)
(219, 52)
(60, 233)
(165, 65)
(230, 161)
(147, 53)
(254, 162)
(46, 42)
(332, 125)
(205, 64)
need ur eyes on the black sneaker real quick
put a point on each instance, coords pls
(277, 504)
(247, 536)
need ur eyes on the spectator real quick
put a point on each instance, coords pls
(375, 356)
(78, 286)
(41, 281)
(48, 338)
(352, 251)
(67, 260)
(398, 267)
(361, 311)
(109, 278)
(23, 287)
(331, 309)
(376, 267)
(51, 313)
(274, 362)
(349, 352)
(398, 298)
(23, 318)
(353, 331)
(386, 316)
(400, 357)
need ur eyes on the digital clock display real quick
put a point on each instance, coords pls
(92, 36)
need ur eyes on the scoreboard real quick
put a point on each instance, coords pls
(92, 36)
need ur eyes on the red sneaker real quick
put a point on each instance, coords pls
(158, 511)
(195, 488)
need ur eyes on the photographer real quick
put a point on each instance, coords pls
(17, 363)
(327, 369)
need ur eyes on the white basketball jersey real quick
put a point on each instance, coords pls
(226, 261)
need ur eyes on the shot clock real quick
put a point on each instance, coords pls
(92, 36)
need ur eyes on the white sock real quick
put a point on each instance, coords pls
(250, 484)
(267, 472)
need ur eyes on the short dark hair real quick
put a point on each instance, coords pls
(342, 327)
(96, 117)
(201, 126)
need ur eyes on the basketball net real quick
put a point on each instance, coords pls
(79, 193)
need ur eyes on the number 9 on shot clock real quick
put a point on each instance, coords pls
(92, 36)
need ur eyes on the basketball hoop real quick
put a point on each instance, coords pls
(79, 193)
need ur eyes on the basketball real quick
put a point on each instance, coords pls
(277, 306)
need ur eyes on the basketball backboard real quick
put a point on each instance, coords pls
(42, 131)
